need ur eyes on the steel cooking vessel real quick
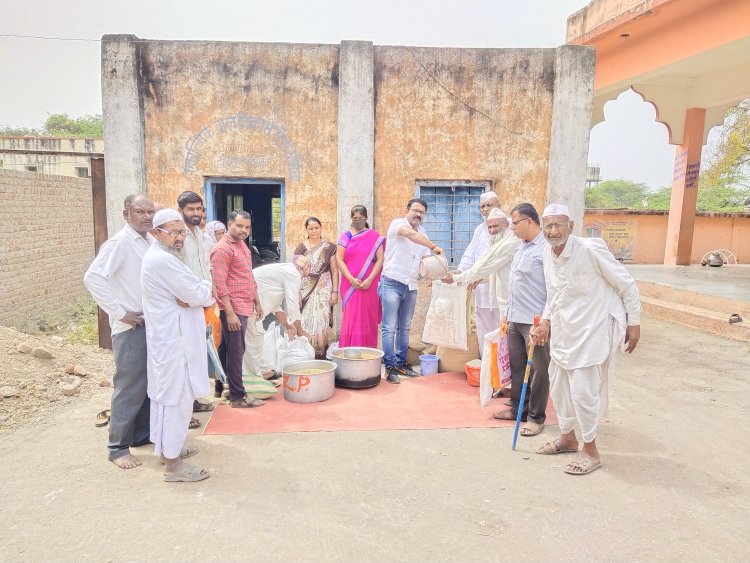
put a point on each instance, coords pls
(312, 388)
(354, 371)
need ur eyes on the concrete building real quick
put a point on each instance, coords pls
(691, 60)
(49, 155)
(305, 129)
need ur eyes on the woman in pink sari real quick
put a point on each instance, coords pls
(360, 255)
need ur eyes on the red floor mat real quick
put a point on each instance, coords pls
(435, 401)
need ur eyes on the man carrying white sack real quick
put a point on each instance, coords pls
(277, 284)
(593, 307)
(493, 265)
(486, 313)
(173, 302)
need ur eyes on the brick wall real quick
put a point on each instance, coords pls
(46, 244)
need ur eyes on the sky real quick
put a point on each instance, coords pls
(52, 76)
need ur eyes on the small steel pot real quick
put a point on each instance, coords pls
(312, 388)
(355, 372)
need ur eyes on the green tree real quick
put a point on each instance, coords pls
(660, 199)
(62, 125)
(616, 194)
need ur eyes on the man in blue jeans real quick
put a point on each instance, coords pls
(406, 243)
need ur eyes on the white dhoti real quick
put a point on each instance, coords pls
(253, 362)
(582, 394)
(169, 423)
(487, 321)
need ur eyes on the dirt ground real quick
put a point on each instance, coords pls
(674, 486)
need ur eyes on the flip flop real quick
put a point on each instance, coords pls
(102, 418)
(531, 429)
(734, 318)
(188, 474)
(553, 447)
(582, 466)
(194, 423)
(202, 407)
(186, 452)
(247, 403)
(506, 414)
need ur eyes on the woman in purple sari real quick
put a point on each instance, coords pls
(360, 255)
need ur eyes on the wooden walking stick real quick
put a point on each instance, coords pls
(530, 355)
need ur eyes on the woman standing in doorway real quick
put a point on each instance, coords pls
(360, 256)
(320, 289)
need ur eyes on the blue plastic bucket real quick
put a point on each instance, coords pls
(429, 364)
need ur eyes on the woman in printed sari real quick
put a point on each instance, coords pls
(320, 289)
(360, 257)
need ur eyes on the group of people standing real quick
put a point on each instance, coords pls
(163, 272)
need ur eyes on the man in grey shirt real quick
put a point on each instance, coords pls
(527, 295)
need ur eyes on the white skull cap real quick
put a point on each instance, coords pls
(556, 209)
(496, 213)
(165, 216)
(487, 196)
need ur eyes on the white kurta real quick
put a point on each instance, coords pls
(279, 283)
(176, 335)
(591, 298)
(480, 240)
(494, 266)
(586, 289)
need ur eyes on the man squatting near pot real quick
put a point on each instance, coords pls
(593, 308)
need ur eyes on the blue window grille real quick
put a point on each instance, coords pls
(452, 215)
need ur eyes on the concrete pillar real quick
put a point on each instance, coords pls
(356, 131)
(571, 126)
(687, 164)
(123, 125)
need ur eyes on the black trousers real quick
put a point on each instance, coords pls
(537, 393)
(231, 351)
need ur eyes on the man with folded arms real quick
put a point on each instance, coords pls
(173, 302)
(113, 279)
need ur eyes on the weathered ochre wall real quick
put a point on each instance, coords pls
(469, 114)
(248, 110)
(730, 231)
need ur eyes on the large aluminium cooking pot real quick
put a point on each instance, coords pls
(300, 386)
(357, 368)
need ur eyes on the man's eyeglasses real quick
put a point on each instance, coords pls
(515, 223)
(560, 226)
(174, 234)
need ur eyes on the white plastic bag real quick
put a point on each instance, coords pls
(485, 374)
(273, 341)
(446, 321)
(333, 347)
(298, 350)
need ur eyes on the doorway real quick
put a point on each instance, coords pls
(263, 200)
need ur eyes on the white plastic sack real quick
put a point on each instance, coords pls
(485, 373)
(273, 341)
(446, 321)
(298, 350)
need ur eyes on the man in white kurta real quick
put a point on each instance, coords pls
(593, 308)
(494, 265)
(173, 301)
(487, 314)
(278, 287)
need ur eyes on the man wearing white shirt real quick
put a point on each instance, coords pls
(173, 302)
(487, 315)
(113, 279)
(406, 243)
(278, 287)
(593, 309)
